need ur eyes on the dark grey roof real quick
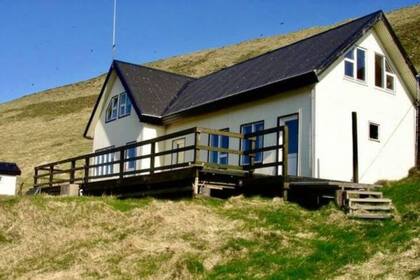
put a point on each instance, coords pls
(152, 89)
(294, 60)
(9, 168)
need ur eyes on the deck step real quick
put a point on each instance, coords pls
(371, 207)
(366, 204)
(371, 200)
(370, 216)
(358, 194)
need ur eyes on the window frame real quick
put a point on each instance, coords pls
(128, 162)
(110, 157)
(177, 154)
(354, 62)
(126, 105)
(111, 107)
(385, 74)
(219, 155)
(241, 143)
(379, 131)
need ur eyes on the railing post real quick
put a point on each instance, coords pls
(152, 157)
(36, 177)
(121, 161)
(51, 177)
(72, 171)
(86, 176)
(196, 144)
(253, 154)
(285, 143)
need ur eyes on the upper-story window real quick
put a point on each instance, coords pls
(112, 109)
(355, 64)
(119, 106)
(384, 75)
(125, 105)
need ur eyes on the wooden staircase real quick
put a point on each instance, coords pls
(365, 204)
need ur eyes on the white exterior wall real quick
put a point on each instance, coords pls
(7, 185)
(336, 97)
(123, 130)
(268, 110)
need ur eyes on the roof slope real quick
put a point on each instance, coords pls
(151, 89)
(312, 54)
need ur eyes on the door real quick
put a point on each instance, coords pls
(292, 123)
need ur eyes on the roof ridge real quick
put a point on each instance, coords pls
(154, 69)
(379, 12)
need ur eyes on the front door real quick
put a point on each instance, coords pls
(292, 123)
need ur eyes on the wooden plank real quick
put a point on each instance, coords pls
(371, 200)
(219, 150)
(220, 132)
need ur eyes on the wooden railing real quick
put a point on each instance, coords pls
(154, 156)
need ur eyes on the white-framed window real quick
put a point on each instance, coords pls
(124, 105)
(112, 109)
(104, 169)
(219, 141)
(373, 131)
(384, 75)
(246, 144)
(178, 157)
(355, 64)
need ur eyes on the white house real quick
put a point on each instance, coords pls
(313, 87)
(8, 173)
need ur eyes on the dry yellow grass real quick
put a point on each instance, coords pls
(48, 126)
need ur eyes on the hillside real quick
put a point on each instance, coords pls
(48, 125)
(240, 238)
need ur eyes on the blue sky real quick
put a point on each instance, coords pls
(48, 43)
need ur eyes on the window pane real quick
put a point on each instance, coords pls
(388, 67)
(350, 54)
(390, 82)
(361, 66)
(379, 71)
(214, 142)
(374, 131)
(293, 136)
(348, 68)
(245, 144)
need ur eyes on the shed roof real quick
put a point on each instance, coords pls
(9, 168)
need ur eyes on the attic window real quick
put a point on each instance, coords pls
(112, 109)
(384, 75)
(125, 105)
(355, 64)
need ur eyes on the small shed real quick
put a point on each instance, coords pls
(8, 173)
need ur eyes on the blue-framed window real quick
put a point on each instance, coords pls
(104, 158)
(219, 141)
(112, 109)
(131, 153)
(246, 144)
(125, 105)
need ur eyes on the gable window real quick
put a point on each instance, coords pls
(112, 109)
(125, 105)
(373, 131)
(355, 64)
(219, 141)
(384, 75)
(246, 143)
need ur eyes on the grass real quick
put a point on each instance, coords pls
(48, 126)
(241, 238)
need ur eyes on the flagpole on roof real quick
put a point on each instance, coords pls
(114, 45)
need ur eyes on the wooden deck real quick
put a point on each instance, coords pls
(156, 171)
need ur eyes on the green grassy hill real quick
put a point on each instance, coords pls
(240, 238)
(48, 125)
